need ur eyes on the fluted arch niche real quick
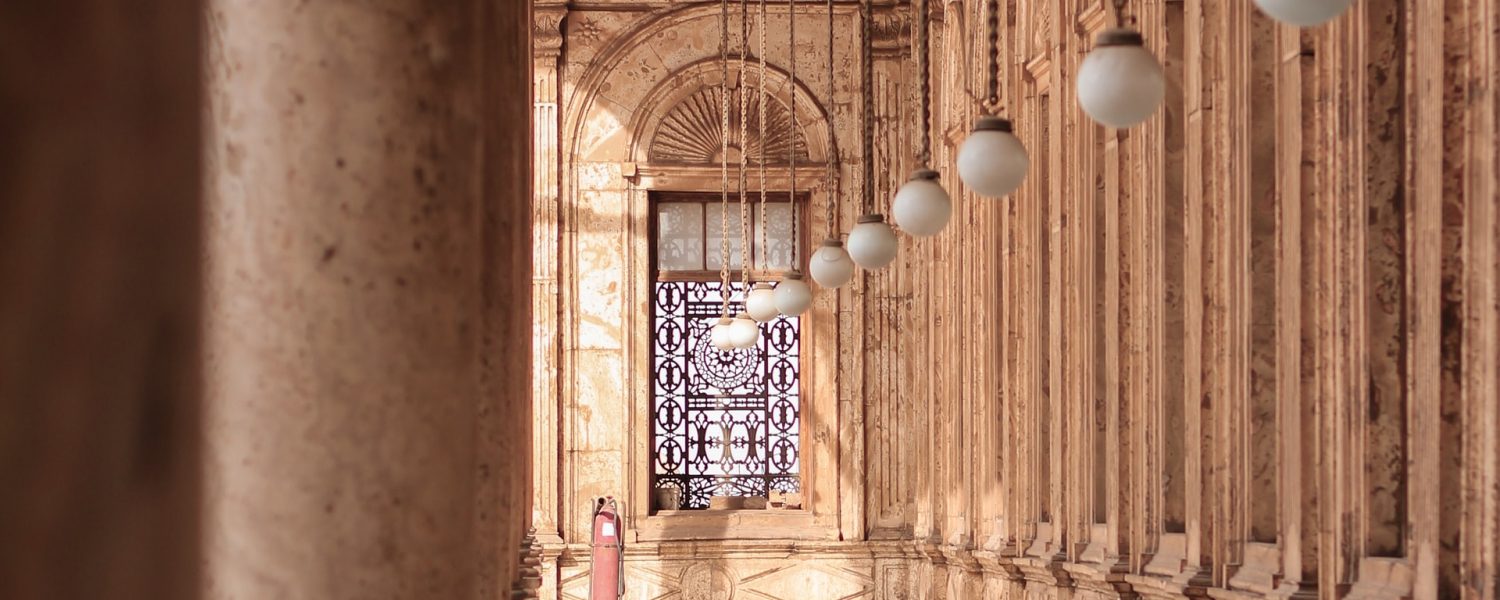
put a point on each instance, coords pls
(681, 121)
(692, 132)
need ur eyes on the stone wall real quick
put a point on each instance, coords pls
(1249, 348)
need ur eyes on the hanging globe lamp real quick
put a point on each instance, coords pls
(922, 207)
(744, 332)
(1120, 83)
(760, 304)
(792, 296)
(872, 243)
(993, 161)
(830, 265)
(718, 336)
(1304, 13)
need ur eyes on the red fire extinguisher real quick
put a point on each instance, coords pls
(606, 580)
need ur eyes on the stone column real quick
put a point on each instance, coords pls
(503, 501)
(888, 487)
(99, 394)
(345, 284)
(546, 124)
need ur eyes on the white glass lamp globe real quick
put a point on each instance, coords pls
(744, 332)
(992, 161)
(872, 243)
(792, 295)
(761, 303)
(718, 336)
(1304, 13)
(830, 265)
(1120, 83)
(922, 207)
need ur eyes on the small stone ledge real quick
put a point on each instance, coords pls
(708, 525)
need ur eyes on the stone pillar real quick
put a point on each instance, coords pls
(347, 282)
(503, 508)
(99, 213)
(888, 489)
(546, 234)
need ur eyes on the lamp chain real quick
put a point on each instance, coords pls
(745, 249)
(994, 35)
(724, 153)
(924, 59)
(1119, 13)
(761, 117)
(830, 173)
(791, 87)
(866, 85)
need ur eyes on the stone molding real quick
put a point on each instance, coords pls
(546, 30)
(892, 29)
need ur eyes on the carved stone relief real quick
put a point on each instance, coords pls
(706, 581)
(691, 132)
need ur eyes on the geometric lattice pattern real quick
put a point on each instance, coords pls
(725, 423)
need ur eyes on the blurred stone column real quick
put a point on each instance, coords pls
(99, 285)
(503, 500)
(346, 289)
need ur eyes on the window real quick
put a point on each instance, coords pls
(724, 423)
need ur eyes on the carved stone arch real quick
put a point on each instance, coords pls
(642, 65)
(680, 122)
(606, 102)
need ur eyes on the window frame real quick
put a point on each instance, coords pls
(800, 210)
(655, 200)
